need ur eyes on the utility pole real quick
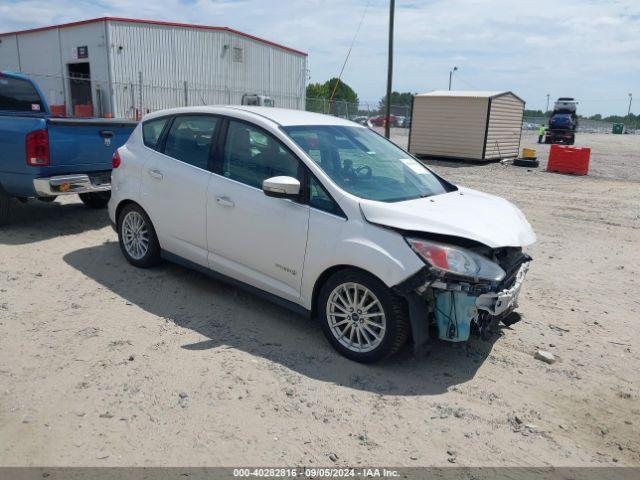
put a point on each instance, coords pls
(630, 99)
(547, 104)
(387, 126)
(455, 69)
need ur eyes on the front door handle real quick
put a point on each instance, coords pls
(155, 173)
(225, 202)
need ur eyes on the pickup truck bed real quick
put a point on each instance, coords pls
(43, 156)
(76, 146)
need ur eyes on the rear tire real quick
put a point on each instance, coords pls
(5, 204)
(363, 319)
(137, 237)
(95, 200)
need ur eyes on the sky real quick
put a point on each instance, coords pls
(587, 49)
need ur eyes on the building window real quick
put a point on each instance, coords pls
(237, 54)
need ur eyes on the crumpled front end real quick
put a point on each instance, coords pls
(456, 306)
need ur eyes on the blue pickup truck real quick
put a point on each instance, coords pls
(42, 156)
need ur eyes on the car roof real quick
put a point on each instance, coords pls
(280, 116)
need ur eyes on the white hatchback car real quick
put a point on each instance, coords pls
(323, 216)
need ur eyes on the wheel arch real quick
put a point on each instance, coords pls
(124, 203)
(325, 275)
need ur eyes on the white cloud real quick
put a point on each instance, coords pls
(581, 48)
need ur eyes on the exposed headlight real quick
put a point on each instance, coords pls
(456, 260)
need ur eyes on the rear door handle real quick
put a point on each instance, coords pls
(155, 173)
(225, 202)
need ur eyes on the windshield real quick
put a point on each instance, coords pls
(366, 164)
(19, 95)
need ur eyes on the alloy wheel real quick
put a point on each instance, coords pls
(356, 317)
(135, 235)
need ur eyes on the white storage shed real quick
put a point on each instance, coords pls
(126, 67)
(467, 125)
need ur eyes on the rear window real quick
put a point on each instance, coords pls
(17, 95)
(152, 130)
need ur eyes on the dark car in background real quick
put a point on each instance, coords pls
(562, 128)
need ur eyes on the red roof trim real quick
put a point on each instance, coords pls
(154, 22)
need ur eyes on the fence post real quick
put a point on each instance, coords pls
(133, 101)
(186, 94)
(99, 99)
(140, 94)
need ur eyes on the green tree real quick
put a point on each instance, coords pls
(403, 99)
(318, 95)
(344, 92)
(535, 113)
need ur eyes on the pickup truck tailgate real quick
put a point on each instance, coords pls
(86, 144)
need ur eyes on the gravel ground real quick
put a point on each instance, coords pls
(105, 364)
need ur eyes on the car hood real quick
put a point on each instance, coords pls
(464, 213)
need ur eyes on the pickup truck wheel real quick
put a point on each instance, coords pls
(137, 237)
(96, 199)
(5, 202)
(362, 318)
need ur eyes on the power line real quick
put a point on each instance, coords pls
(353, 41)
(468, 84)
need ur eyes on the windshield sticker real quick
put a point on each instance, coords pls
(4, 82)
(35, 107)
(413, 165)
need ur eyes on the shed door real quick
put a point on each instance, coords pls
(504, 127)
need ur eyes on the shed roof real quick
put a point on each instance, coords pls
(468, 94)
(155, 22)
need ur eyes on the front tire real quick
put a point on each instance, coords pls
(137, 237)
(95, 200)
(363, 319)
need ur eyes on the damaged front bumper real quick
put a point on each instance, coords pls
(454, 305)
(505, 301)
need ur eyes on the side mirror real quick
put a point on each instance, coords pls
(281, 187)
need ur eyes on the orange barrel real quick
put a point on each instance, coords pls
(83, 110)
(58, 110)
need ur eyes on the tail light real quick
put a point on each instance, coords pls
(37, 148)
(115, 160)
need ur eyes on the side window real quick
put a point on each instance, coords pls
(189, 139)
(319, 198)
(152, 130)
(252, 155)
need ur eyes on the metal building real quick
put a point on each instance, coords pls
(467, 125)
(124, 67)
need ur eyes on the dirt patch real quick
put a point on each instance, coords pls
(105, 364)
